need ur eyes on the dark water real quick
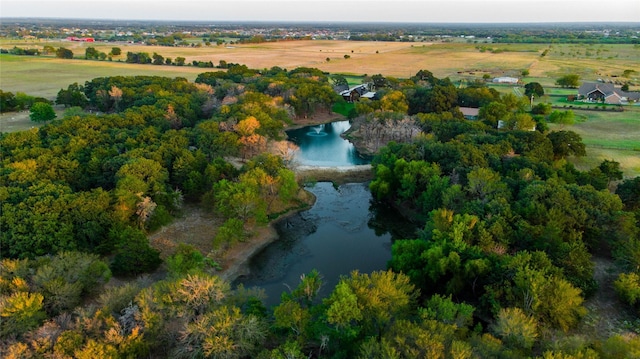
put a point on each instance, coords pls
(342, 232)
(322, 145)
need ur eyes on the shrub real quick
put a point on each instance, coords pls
(230, 232)
(20, 313)
(65, 278)
(185, 260)
(134, 255)
(41, 112)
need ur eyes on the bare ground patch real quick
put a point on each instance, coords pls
(198, 228)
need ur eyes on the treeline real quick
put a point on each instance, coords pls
(61, 52)
(19, 101)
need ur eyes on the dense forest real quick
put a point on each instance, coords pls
(500, 269)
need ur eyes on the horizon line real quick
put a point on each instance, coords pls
(637, 23)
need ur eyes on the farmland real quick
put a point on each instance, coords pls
(396, 59)
(607, 134)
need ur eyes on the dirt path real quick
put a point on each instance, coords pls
(606, 314)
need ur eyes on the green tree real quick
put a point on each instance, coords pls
(611, 169)
(570, 81)
(515, 328)
(158, 59)
(379, 81)
(41, 112)
(90, 53)
(67, 277)
(566, 143)
(493, 113)
(133, 253)
(339, 81)
(64, 53)
(116, 51)
(186, 259)
(627, 286)
(533, 88)
(541, 109)
(562, 117)
(7, 101)
(629, 192)
(72, 96)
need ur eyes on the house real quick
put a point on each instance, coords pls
(470, 113)
(506, 80)
(355, 93)
(605, 93)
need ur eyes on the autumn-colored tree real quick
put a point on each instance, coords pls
(115, 94)
(251, 142)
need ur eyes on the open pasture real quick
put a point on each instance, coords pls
(45, 76)
(396, 59)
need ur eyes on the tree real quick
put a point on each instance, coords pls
(7, 101)
(611, 169)
(133, 254)
(570, 81)
(379, 81)
(533, 88)
(629, 193)
(72, 96)
(541, 109)
(20, 312)
(158, 59)
(116, 95)
(339, 81)
(394, 101)
(91, 53)
(41, 112)
(116, 51)
(627, 286)
(516, 329)
(566, 143)
(562, 117)
(64, 53)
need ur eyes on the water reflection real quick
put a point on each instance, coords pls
(338, 235)
(322, 145)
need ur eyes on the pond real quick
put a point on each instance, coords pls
(344, 231)
(323, 146)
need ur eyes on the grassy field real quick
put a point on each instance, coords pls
(397, 59)
(45, 76)
(608, 135)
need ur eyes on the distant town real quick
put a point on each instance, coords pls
(179, 33)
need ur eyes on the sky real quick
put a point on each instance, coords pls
(417, 11)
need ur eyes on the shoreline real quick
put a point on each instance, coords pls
(238, 258)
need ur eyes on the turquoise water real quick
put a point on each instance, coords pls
(323, 146)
